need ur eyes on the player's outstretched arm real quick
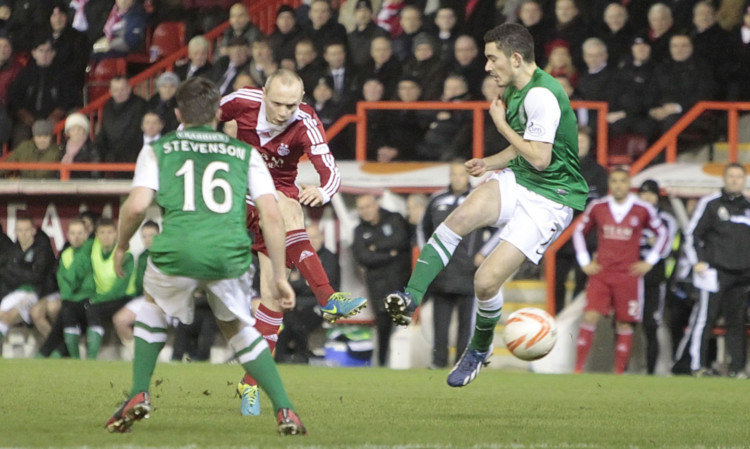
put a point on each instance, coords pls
(272, 225)
(478, 167)
(132, 213)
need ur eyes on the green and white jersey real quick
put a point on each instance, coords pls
(201, 178)
(541, 112)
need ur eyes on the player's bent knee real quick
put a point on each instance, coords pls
(486, 285)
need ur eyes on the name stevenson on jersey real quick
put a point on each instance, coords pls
(207, 143)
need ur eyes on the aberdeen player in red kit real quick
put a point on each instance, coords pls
(282, 128)
(616, 271)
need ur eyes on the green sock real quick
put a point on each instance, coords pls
(93, 341)
(144, 362)
(71, 342)
(55, 354)
(484, 329)
(263, 369)
(431, 261)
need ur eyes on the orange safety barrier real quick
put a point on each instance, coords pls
(65, 169)
(667, 143)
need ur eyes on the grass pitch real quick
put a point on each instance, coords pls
(64, 404)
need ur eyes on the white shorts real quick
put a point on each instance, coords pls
(52, 297)
(134, 304)
(228, 298)
(527, 220)
(21, 301)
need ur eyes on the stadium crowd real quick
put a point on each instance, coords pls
(676, 53)
(673, 54)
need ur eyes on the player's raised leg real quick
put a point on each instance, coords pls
(481, 208)
(494, 271)
(301, 253)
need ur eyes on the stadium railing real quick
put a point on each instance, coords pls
(667, 144)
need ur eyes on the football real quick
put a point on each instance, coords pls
(530, 333)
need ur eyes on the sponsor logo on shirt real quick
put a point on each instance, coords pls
(535, 129)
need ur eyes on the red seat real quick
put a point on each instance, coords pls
(167, 38)
(97, 83)
(625, 148)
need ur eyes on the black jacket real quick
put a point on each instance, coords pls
(373, 244)
(35, 267)
(120, 138)
(721, 236)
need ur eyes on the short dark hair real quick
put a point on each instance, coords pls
(151, 224)
(619, 169)
(735, 165)
(512, 38)
(197, 100)
(104, 221)
(76, 220)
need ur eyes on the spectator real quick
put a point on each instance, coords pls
(717, 246)
(28, 274)
(40, 148)
(27, 17)
(446, 33)
(426, 67)
(112, 292)
(389, 17)
(416, 204)
(494, 142)
(654, 280)
(152, 126)
(9, 68)
(660, 31)
(560, 61)
(197, 64)
(89, 17)
(71, 50)
(381, 247)
(449, 134)
(124, 31)
(679, 84)
(411, 25)
(628, 112)
(329, 110)
(467, 63)
(76, 284)
(616, 271)
(39, 92)
(119, 138)
(226, 68)
(711, 44)
(599, 81)
(323, 29)
(340, 72)
(261, 64)
(381, 65)
(240, 27)
(309, 67)
(293, 344)
(596, 178)
(617, 34)
(5, 126)
(531, 16)
(478, 17)
(379, 122)
(570, 27)
(739, 88)
(453, 288)
(164, 102)
(77, 146)
(284, 37)
(400, 141)
(365, 30)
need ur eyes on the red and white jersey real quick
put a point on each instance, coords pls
(619, 227)
(283, 146)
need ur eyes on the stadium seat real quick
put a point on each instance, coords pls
(168, 37)
(626, 148)
(97, 82)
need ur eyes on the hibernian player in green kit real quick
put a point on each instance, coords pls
(199, 178)
(531, 196)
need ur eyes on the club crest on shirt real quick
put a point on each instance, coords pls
(633, 221)
(387, 230)
(283, 149)
(723, 213)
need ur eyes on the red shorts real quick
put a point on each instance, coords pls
(253, 221)
(619, 291)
